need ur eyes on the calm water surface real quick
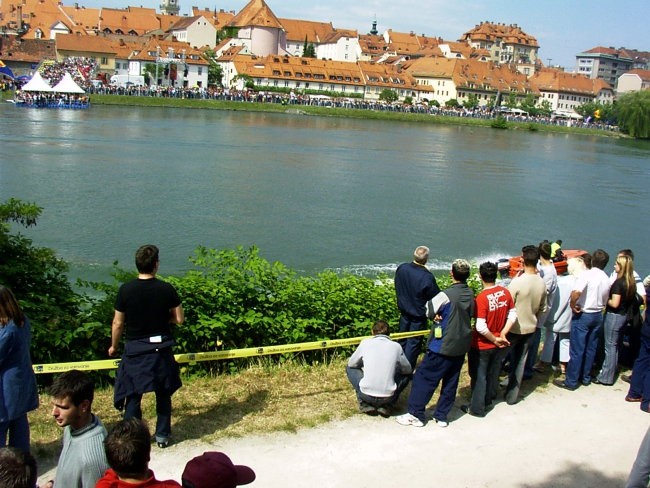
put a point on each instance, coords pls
(313, 192)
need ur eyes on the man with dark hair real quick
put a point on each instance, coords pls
(414, 286)
(17, 468)
(82, 461)
(147, 308)
(495, 310)
(378, 371)
(449, 341)
(128, 449)
(528, 290)
(588, 299)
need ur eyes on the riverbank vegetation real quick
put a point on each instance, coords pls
(324, 111)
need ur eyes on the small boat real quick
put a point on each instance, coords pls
(514, 265)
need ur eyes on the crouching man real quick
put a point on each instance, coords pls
(378, 371)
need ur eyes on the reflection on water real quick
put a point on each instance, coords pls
(313, 192)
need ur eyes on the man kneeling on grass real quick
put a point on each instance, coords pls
(449, 341)
(378, 371)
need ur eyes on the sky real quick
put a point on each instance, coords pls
(562, 28)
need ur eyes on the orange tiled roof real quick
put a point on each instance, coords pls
(644, 74)
(218, 18)
(26, 50)
(561, 81)
(41, 15)
(78, 42)
(86, 18)
(139, 21)
(298, 30)
(256, 13)
(510, 34)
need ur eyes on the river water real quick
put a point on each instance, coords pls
(313, 192)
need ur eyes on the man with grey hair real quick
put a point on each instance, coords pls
(450, 340)
(414, 287)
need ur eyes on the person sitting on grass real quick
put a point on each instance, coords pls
(128, 449)
(378, 371)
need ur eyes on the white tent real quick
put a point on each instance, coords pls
(37, 83)
(67, 85)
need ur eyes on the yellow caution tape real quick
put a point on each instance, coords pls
(196, 357)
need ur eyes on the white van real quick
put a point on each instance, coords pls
(125, 81)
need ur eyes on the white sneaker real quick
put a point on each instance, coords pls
(441, 423)
(408, 419)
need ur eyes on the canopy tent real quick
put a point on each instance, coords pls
(67, 85)
(6, 70)
(37, 83)
(566, 114)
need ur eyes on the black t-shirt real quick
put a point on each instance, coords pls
(146, 305)
(619, 287)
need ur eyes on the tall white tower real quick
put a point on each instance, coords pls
(169, 7)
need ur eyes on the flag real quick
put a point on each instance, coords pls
(6, 70)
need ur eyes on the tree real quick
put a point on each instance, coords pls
(633, 111)
(308, 49)
(38, 279)
(452, 103)
(528, 104)
(545, 108)
(511, 101)
(388, 95)
(215, 72)
(471, 102)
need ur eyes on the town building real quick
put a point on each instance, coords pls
(197, 31)
(633, 80)
(605, 63)
(567, 91)
(507, 44)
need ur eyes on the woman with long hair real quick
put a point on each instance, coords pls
(622, 295)
(18, 394)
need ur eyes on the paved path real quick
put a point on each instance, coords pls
(552, 439)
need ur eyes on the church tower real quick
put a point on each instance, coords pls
(169, 7)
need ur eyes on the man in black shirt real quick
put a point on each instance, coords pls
(146, 308)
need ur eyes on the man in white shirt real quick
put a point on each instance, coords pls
(588, 300)
(378, 371)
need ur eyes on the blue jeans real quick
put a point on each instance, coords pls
(582, 348)
(355, 375)
(17, 430)
(611, 326)
(133, 409)
(533, 352)
(484, 368)
(640, 383)
(434, 368)
(519, 344)
(413, 345)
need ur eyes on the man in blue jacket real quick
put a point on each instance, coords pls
(414, 286)
(450, 340)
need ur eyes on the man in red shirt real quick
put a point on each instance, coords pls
(495, 311)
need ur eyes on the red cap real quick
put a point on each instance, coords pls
(215, 470)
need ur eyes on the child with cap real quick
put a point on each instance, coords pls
(215, 470)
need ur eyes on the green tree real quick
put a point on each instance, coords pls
(545, 108)
(388, 95)
(528, 104)
(452, 103)
(38, 279)
(215, 72)
(511, 101)
(408, 100)
(308, 49)
(633, 111)
(471, 102)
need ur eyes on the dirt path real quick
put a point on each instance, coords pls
(552, 438)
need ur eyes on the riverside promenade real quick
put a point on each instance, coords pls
(553, 438)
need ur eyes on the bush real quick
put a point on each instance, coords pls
(499, 122)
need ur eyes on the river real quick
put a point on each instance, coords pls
(313, 192)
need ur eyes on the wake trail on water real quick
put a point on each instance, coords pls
(436, 265)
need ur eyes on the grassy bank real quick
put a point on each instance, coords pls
(333, 112)
(261, 399)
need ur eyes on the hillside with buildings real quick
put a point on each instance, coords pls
(487, 63)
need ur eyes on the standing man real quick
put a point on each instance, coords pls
(449, 341)
(495, 310)
(82, 461)
(588, 299)
(414, 286)
(528, 290)
(147, 308)
(378, 371)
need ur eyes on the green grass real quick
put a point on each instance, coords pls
(124, 100)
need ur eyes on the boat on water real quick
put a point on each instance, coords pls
(513, 266)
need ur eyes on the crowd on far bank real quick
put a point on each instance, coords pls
(499, 330)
